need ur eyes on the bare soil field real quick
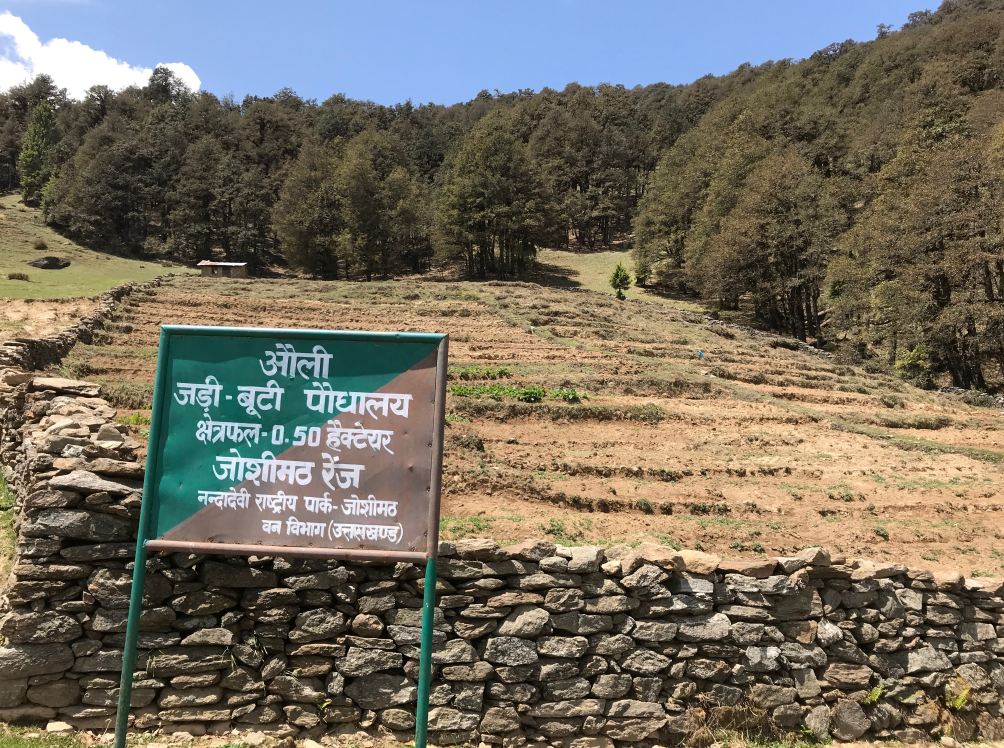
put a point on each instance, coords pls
(40, 317)
(654, 423)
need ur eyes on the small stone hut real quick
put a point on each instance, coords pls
(214, 269)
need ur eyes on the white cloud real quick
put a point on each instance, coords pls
(72, 65)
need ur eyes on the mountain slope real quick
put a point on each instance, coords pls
(688, 431)
(853, 197)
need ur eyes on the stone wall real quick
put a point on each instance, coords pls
(580, 647)
(20, 354)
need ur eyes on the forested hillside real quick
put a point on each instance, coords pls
(851, 198)
(342, 188)
(855, 196)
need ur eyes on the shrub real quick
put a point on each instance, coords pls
(914, 366)
(468, 441)
(980, 399)
(40, 245)
(135, 419)
(18, 277)
(892, 401)
(568, 394)
(531, 394)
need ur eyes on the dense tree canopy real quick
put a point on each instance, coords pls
(494, 210)
(343, 188)
(851, 198)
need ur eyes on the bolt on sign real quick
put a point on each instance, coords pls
(294, 443)
(298, 442)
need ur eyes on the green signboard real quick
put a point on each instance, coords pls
(294, 443)
(315, 443)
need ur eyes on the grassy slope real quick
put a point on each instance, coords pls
(90, 273)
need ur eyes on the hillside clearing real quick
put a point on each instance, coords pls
(753, 449)
(591, 270)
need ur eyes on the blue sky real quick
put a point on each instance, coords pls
(425, 50)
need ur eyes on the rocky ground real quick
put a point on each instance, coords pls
(57, 735)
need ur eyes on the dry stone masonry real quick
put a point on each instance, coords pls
(20, 355)
(581, 647)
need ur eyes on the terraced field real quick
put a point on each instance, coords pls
(574, 416)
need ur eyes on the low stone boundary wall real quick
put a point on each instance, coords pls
(25, 354)
(581, 647)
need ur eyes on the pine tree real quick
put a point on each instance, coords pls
(493, 209)
(34, 164)
(620, 280)
(308, 214)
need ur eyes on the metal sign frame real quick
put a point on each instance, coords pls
(151, 499)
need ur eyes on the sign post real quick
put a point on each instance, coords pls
(307, 443)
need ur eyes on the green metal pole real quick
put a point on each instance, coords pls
(132, 632)
(425, 655)
(139, 561)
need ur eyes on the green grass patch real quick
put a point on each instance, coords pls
(929, 422)
(742, 547)
(668, 540)
(135, 419)
(591, 270)
(465, 527)
(454, 527)
(934, 484)
(915, 444)
(843, 492)
(8, 538)
(476, 373)
(128, 395)
(568, 532)
(523, 393)
(729, 522)
(474, 408)
(33, 737)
